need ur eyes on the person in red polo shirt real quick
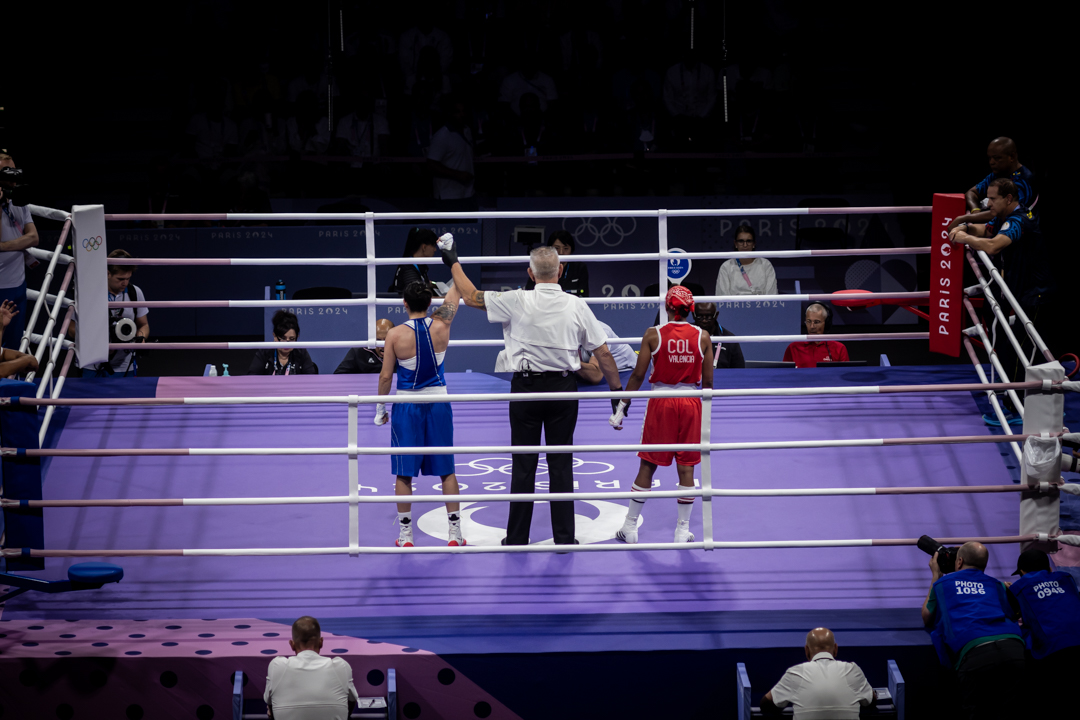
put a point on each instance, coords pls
(809, 354)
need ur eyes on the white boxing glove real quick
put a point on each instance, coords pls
(617, 417)
(381, 416)
(445, 242)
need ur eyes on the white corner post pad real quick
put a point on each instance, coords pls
(1044, 413)
(91, 251)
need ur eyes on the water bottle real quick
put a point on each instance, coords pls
(279, 290)
(226, 369)
(213, 371)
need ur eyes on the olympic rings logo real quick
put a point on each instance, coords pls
(506, 465)
(92, 243)
(586, 234)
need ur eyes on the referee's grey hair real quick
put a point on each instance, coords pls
(544, 262)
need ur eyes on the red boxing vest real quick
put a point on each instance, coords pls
(678, 357)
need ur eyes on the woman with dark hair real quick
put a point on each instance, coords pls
(575, 277)
(283, 361)
(420, 244)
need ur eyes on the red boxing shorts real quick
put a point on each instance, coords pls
(669, 421)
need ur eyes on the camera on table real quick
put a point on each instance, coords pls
(946, 556)
(14, 186)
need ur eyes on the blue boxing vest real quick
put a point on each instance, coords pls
(429, 366)
(970, 605)
(1050, 607)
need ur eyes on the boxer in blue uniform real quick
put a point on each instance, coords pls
(416, 349)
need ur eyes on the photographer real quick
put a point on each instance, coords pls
(17, 232)
(1048, 604)
(121, 322)
(974, 632)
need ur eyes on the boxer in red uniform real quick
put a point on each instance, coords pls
(682, 358)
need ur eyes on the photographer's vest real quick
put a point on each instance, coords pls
(971, 605)
(1050, 607)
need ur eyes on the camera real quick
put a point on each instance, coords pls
(13, 185)
(121, 330)
(946, 556)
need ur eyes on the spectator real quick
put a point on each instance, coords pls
(308, 128)
(308, 685)
(423, 35)
(363, 132)
(1004, 163)
(213, 134)
(450, 157)
(283, 361)
(528, 80)
(366, 360)
(728, 355)
(419, 244)
(818, 320)
(12, 362)
(590, 372)
(973, 631)
(429, 75)
(746, 276)
(121, 289)
(1048, 605)
(689, 94)
(17, 233)
(822, 687)
(575, 277)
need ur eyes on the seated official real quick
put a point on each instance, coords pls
(121, 289)
(366, 360)
(13, 362)
(746, 276)
(575, 276)
(590, 372)
(822, 688)
(1048, 605)
(809, 354)
(308, 685)
(283, 361)
(419, 244)
(728, 355)
(971, 624)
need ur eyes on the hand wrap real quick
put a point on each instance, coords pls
(381, 416)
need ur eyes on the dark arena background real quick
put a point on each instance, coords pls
(258, 156)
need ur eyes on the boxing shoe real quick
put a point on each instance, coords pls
(455, 535)
(405, 536)
(682, 532)
(628, 532)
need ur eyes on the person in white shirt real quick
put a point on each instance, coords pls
(450, 157)
(690, 88)
(746, 276)
(823, 688)
(543, 330)
(122, 362)
(308, 686)
(17, 233)
(528, 80)
(625, 359)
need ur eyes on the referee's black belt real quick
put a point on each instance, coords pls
(542, 373)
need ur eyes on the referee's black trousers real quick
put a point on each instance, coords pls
(557, 419)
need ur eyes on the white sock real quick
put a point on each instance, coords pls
(685, 506)
(405, 519)
(635, 505)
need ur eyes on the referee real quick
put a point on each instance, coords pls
(542, 329)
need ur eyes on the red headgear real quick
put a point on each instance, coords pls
(681, 300)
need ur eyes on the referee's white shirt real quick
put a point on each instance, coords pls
(824, 689)
(309, 686)
(543, 328)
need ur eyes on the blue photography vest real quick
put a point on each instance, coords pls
(1050, 606)
(970, 605)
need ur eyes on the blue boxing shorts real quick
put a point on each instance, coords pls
(421, 425)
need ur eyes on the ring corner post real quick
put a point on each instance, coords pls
(20, 477)
(946, 276)
(706, 467)
(1044, 411)
(354, 477)
(369, 253)
(662, 234)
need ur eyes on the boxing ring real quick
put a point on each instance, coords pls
(163, 472)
